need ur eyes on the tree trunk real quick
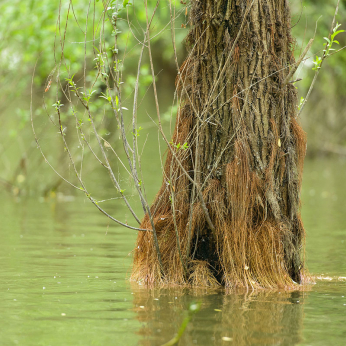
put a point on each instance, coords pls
(244, 152)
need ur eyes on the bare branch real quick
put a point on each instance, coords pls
(296, 65)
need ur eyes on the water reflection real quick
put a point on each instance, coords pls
(256, 318)
(64, 268)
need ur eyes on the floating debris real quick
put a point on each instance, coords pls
(226, 338)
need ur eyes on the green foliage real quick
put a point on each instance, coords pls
(327, 47)
(301, 102)
(136, 133)
(179, 146)
(33, 33)
(87, 95)
(185, 146)
(57, 105)
(317, 62)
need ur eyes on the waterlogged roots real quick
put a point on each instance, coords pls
(258, 237)
(202, 275)
(247, 258)
(244, 152)
(250, 248)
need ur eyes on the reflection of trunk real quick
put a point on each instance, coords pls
(256, 318)
(245, 152)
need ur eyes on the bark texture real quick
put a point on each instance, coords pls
(245, 154)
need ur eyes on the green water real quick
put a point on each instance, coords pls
(64, 267)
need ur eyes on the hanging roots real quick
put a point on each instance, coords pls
(249, 248)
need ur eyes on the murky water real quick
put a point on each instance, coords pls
(64, 267)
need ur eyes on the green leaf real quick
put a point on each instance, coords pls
(338, 32)
(336, 26)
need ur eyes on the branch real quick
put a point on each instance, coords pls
(296, 65)
(83, 186)
(323, 58)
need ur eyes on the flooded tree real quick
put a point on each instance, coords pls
(228, 210)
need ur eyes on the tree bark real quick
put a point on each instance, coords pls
(244, 151)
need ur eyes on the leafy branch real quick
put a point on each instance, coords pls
(178, 146)
(327, 47)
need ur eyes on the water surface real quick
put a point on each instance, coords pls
(64, 269)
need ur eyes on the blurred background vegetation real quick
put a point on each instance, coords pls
(31, 33)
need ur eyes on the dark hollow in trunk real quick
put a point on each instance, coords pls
(244, 152)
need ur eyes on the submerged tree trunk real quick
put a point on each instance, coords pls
(244, 153)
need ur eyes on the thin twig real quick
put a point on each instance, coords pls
(115, 181)
(320, 66)
(67, 181)
(153, 75)
(296, 65)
